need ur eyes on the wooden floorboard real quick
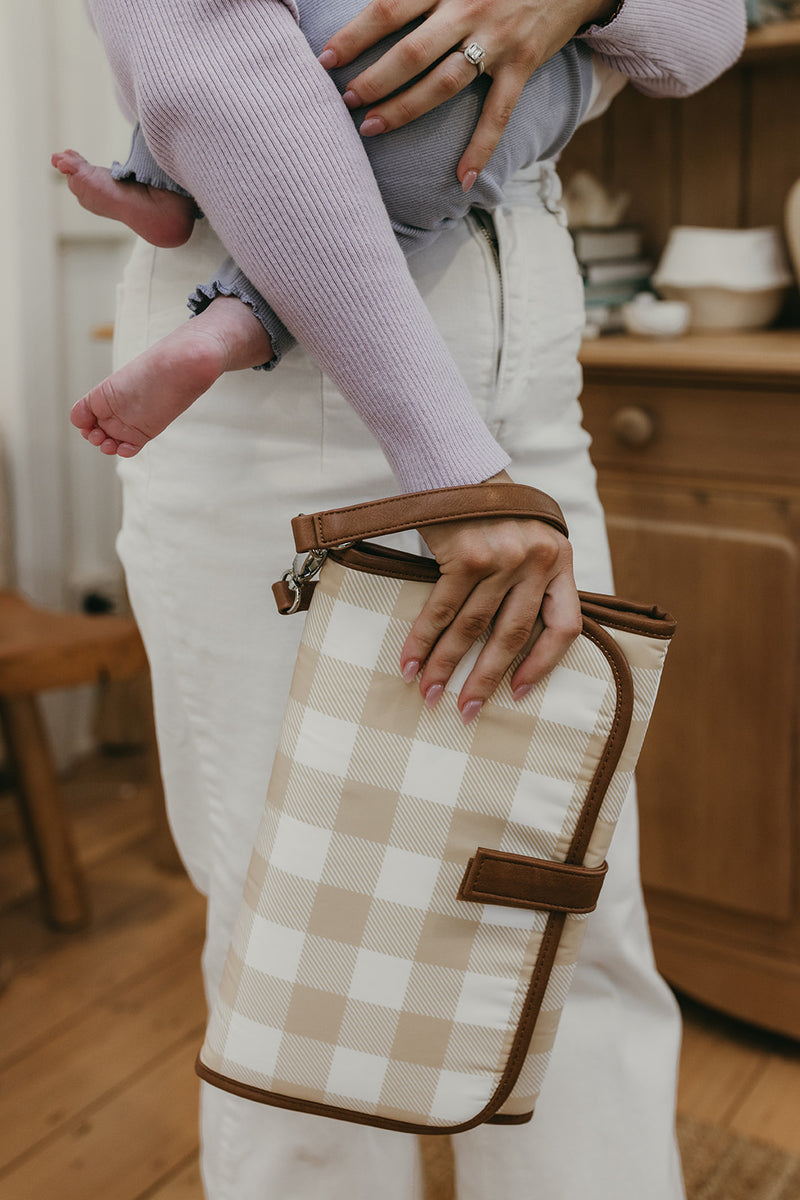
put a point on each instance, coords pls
(121, 1036)
(100, 1028)
(123, 1145)
(771, 1112)
(182, 1184)
(143, 919)
(718, 1069)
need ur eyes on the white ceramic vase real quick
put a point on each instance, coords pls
(730, 278)
(792, 222)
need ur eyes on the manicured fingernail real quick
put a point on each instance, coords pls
(411, 671)
(351, 99)
(521, 692)
(470, 711)
(468, 180)
(328, 59)
(433, 695)
(371, 126)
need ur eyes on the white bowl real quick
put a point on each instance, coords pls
(749, 260)
(727, 308)
(649, 317)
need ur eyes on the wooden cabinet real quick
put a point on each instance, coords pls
(697, 443)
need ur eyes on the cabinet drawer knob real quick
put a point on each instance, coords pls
(633, 426)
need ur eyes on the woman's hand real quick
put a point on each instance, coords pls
(518, 36)
(501, 571)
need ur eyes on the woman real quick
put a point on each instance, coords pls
(207, 507)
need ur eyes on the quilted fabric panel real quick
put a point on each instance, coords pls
(356, 978)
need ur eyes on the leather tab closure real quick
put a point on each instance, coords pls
(286, 598)
(493, 877)
(415, 510)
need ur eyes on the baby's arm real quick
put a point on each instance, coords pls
(310, 231)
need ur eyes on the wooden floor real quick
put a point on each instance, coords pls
(99, 1029)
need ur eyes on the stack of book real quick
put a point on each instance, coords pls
(614, 272)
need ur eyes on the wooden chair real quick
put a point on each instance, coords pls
(42, 650)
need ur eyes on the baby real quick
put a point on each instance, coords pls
(415, 168)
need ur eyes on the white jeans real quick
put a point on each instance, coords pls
(206, 532)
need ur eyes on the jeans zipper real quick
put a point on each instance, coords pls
(486, 227)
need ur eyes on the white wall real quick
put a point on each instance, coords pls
(61, 267)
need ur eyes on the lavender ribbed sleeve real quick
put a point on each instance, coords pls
(209, 80)
(671, 47)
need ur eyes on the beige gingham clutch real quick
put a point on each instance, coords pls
(419, 889)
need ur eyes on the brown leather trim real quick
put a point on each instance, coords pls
(519, 1049)
(276, 1100)
(550, 939)
(511, 1119)
(374, 559)
(495, 877)
(323, 530)
(646, 619)
(617, 737)
(614, 611)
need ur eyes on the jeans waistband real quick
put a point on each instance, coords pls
(537, 185)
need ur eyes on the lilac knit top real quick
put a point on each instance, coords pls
(211, 81)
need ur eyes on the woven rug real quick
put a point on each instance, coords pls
(720, 1165)
(717, 1165)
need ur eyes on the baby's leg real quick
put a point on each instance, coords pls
(161, 217)
(137, 402)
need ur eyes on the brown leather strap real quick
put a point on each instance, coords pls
(321, 531)
(493, 877)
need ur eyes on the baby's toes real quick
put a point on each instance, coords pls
(68, 162)
(82, 416)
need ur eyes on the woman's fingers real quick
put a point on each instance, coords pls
(442, 608)
(425, 67)
(444, 81)
(474, 618)
(409, 58)
(498, 106)
(512, 617)
(376, 21)
(561, 616)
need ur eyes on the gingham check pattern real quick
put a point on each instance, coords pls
(355, 977)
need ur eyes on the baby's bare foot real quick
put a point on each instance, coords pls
(161, 217)
(140, 400)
